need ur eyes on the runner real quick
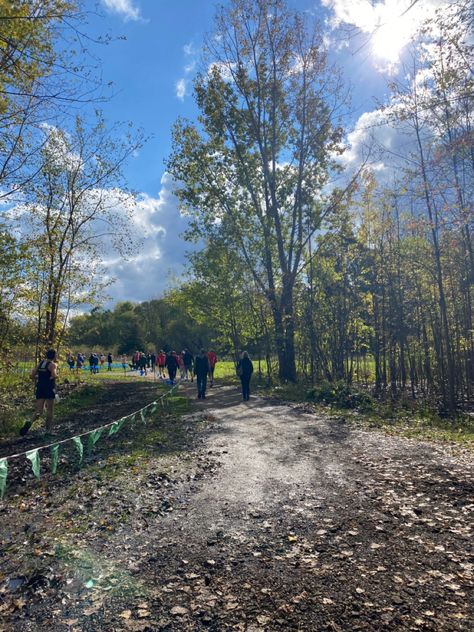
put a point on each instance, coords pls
(110, 360)
(153, 361)
(124, 361)
(212, 365)
(45, 376)
(102, 360)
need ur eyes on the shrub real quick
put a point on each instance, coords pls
(340, 394)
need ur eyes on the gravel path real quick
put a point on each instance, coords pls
(277, 519)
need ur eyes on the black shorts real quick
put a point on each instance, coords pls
(45, 393)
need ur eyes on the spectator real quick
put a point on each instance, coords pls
(201, 371)
(172, 365)
(212, 365)
(244, 371)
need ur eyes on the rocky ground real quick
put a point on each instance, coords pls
(252, 516)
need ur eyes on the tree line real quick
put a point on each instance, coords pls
(376, 272)
(330, 266)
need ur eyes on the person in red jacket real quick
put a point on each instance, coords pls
(161, 363)
(211, 356)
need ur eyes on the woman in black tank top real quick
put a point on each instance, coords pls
(45, 376)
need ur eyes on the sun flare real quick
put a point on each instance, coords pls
(389, 40)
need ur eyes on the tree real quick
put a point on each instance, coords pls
(42, 69)
(75, 211)
(254, 170)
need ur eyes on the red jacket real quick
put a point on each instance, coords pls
(211, 356)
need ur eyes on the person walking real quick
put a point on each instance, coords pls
(142, 363)
(79, 362)
(201, 371)
(110, 360)
(211, 356)
(161, 364)
(71, 360)
(182, 370)
(172, 365)
(188, 365)
(244, 371)
(45, 376)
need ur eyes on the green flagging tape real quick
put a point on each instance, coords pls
(79, 447)
(3, 476)
(93, 437)
(54, 458)
(115, 427)
(33, 456)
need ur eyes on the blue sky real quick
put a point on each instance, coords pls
(152, 71)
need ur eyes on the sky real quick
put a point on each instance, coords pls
(151, 61)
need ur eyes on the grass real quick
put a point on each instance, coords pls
(17, 394)
(415, 421)
(421, 424)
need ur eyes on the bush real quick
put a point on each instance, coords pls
(340, 394)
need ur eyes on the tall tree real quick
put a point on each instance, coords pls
(255, 167)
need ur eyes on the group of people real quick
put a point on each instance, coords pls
(95, 361)
(202, 367)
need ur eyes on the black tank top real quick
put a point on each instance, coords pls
(44, 375)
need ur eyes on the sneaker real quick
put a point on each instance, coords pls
(24, 429)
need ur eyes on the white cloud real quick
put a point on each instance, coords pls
(126, 8)
(181, 88)
(189, 50)
(158, 250)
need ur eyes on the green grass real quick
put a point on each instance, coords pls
(421, 425)
(225, 370)
(419, 422)
(17, 395)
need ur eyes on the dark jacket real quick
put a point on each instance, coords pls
(245, 367)
(188, 358)
(201, 366)
(171, 362)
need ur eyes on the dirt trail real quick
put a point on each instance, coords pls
(277, 519)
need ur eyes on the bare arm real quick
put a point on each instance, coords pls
(53, 370)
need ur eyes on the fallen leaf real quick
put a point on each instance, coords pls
(179, 611)
(126, 614)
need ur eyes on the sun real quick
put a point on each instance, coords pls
(392, 29)
(389, 40)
